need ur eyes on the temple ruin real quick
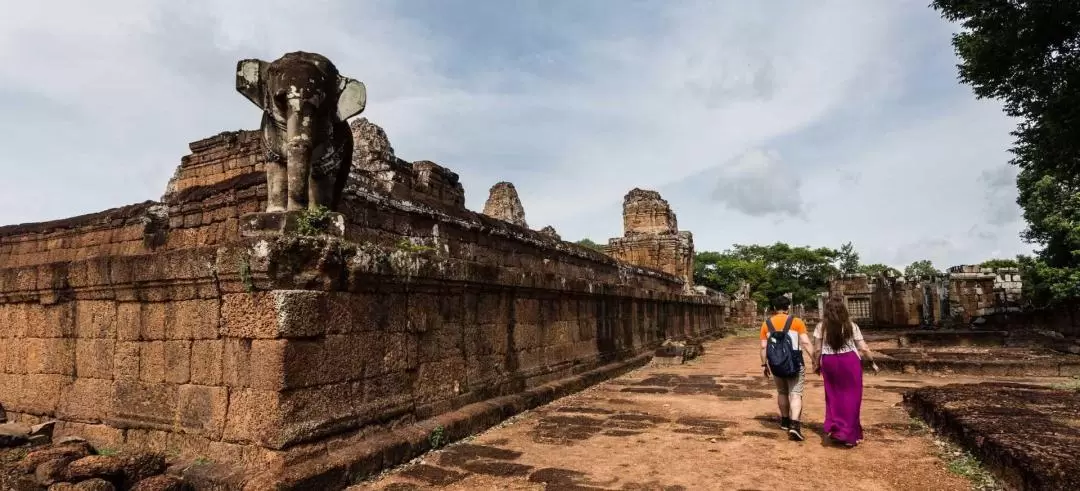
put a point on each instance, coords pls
(307, 350)
(958, 296)
(651, 237)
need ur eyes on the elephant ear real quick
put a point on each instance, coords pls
(250, 79)
(352, 98)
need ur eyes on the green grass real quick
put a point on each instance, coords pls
(964, 464)
(1073, 384)
(108, 452)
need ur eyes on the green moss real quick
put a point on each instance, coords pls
(313, 221)
(407, 245)
(245, 273)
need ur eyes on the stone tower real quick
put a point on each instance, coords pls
(651, 237)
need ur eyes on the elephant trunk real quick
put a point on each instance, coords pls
(298, 149)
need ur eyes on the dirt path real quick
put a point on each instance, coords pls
(708, 424)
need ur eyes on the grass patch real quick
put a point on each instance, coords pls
(407, 245)
(108, 452)
(313, 221)
(966, 465)
(437, 439)
(1073, 384)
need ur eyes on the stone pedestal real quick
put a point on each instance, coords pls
(292, 222)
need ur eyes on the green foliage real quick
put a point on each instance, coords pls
(847, 259)
(922, 267)
(999, 263)
(590, 244)
(771, 271)
(1045, 285)
(874, 270)
(437, 438)
(313, 221)
(408, 246)
(1027, 54)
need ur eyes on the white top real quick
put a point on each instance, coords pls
(856, 335)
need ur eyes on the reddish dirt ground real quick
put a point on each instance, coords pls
(708, 424)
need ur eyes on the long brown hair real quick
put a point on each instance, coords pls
(837, 323)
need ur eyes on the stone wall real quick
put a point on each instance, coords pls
(959, 296)
(158, 326)
(651, 237)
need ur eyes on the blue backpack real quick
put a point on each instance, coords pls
(784, 360)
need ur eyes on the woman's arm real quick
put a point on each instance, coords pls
(861, 345)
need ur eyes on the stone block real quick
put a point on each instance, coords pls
(249, 315)
(256, 363)
(128, 321)
(126, 360)
(440, 380)
(177, 362)
(192, 319)
(152, 325)
(202, 410)
(206, 361)
(95, 319)
(98, 435)
(48, 355)
(41, 392)
(51, 321)
(94, 358)
(152, 361)
(88, 400)
(138, 404)
(253, 416)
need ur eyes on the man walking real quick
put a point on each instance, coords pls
(785, 362)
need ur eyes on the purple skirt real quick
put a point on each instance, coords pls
(843, 396)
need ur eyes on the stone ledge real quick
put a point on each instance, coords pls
(370, 456)
(268, 224)
(982, 418)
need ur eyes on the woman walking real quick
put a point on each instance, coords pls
(838, 343)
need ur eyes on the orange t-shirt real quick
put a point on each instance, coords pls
(797, 327)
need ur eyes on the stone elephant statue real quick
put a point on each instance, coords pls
(305, 104)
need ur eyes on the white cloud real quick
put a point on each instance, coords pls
(586, 101)
(758, 184)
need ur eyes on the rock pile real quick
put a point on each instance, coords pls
(72, 464)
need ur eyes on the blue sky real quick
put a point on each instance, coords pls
(805, 122)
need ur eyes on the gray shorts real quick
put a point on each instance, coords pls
(790, 385)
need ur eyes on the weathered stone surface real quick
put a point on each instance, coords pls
(651, 238)
(142, 466)
(52, 471)
(12, 434)
(504, 204)
(645, 212)
(71, 451)
(93, 466)
(3, 413)
(1027, 433)
(95, 484)
(159, 483)
(550, 232)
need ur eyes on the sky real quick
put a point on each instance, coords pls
(811, 123)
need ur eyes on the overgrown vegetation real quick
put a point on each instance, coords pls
(313, 220)
(245, 273)
(590, 244)
(408, 246)
(1027, 54)
(437, 439)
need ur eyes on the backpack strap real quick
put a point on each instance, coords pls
(768, 324)
(787, 323)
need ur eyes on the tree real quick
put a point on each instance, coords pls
(847, 259)
(771, 270)
(1027, 54)
(999, 263)
(878, 269)
(590, 244)
(921, 268)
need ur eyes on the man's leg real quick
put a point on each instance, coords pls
(784, 403)
(796, 406)
(795, 402)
